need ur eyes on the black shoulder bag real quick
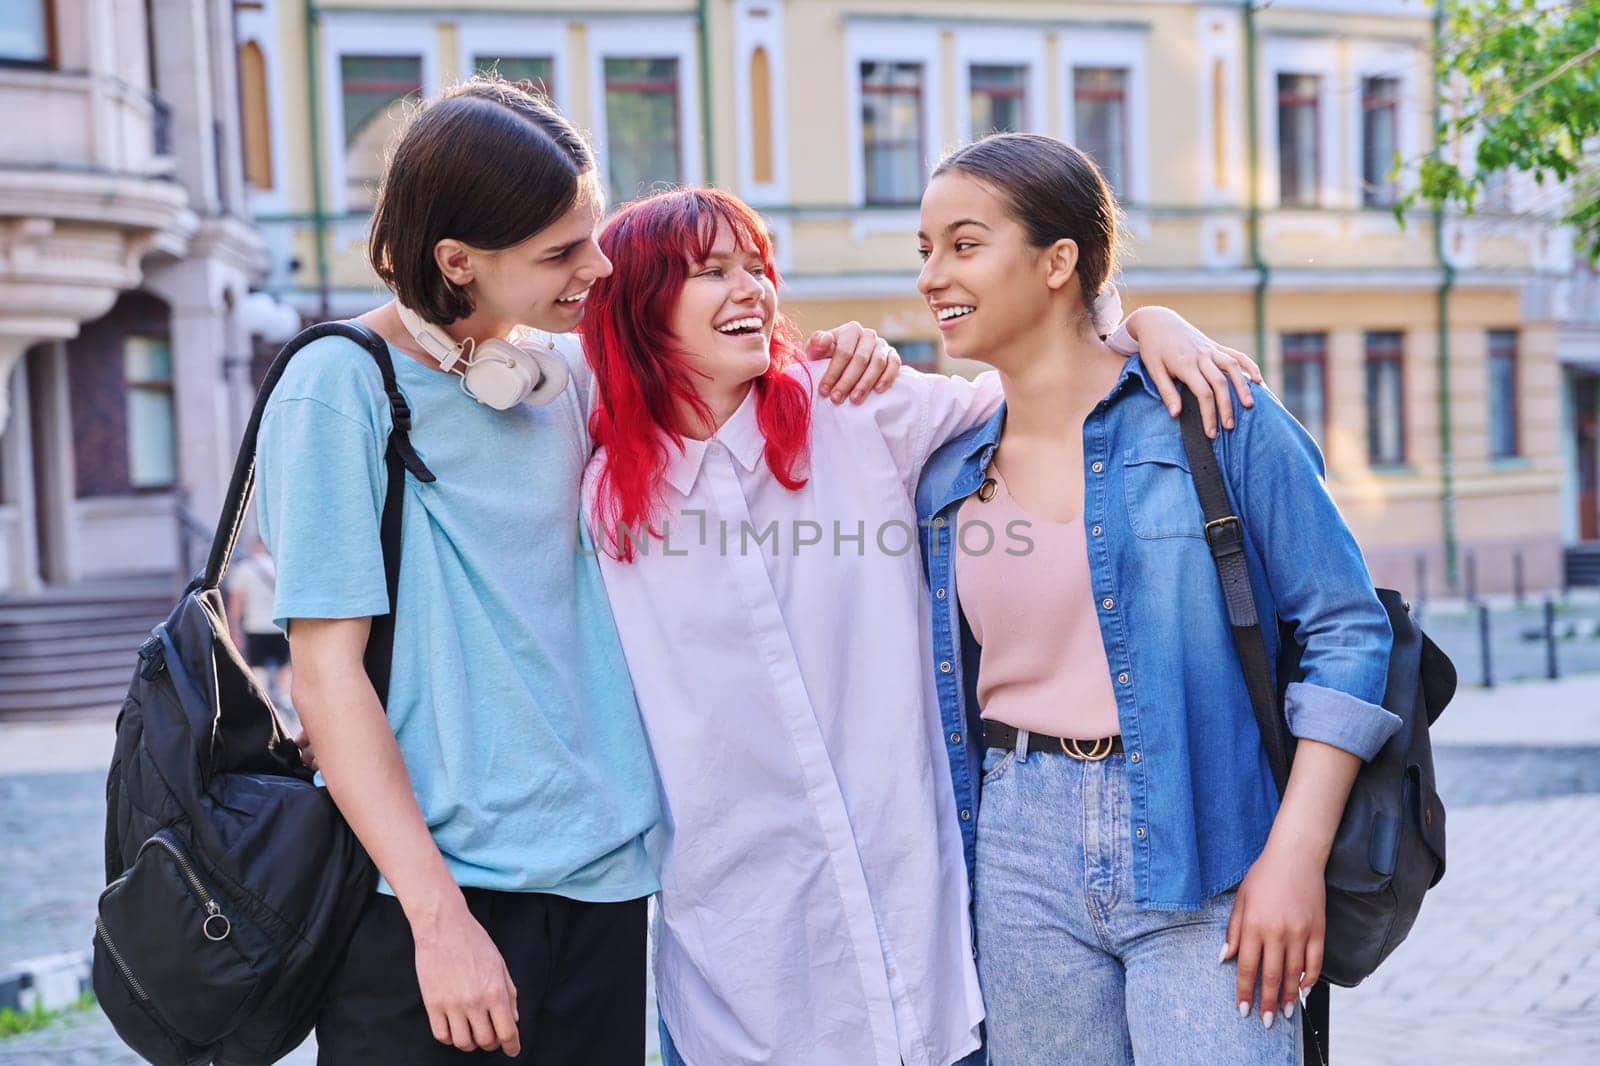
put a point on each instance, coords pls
(1389, 848)
(234, 884)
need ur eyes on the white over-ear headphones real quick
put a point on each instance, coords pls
(496, 373)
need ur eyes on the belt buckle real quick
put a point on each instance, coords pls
(1094, 754)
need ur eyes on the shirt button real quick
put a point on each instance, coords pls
(1133, 757)
(1122, 678)
(945, 667)
(939, 595)
(1139, 832)
(1098, 466)
(1095, 531)
(955, 738)
(1108, 603)
(966, 815)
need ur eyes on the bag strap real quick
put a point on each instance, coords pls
(399, 457)
(1224, 532)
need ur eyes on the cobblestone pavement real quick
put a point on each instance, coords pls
(1502, 967)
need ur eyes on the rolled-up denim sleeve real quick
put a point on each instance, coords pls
(1318, 578)
(1338, 718)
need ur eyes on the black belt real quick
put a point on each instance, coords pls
(1000, 735)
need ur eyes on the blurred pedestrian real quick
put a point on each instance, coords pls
(252, 584)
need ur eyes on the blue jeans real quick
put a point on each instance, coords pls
(669, 1052)
(1071, 971)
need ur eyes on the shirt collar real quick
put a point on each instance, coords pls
(1135, 368)
(986, 436)
(740, 434)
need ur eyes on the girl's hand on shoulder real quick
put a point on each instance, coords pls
(1172, 348)
(859, 361)
(1276, 932)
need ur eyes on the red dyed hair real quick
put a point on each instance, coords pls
(643, 374)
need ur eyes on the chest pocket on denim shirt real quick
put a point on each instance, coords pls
(1161, 497)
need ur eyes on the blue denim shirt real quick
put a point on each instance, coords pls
(1202, 795)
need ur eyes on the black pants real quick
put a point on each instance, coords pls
(578, 968)
(266, 649)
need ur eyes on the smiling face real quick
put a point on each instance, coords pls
(724, 316)
(541, 281)
(986, 285)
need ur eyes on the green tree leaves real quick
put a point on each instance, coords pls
(1521, 84)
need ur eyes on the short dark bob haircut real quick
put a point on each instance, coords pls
(487, 162)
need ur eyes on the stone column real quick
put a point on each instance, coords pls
(55, 486)
(225, 93)
(21, 576)
(200, 340)
(183, 78)
(12, 347)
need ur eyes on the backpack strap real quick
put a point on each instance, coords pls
(399, 457)
(1224, 533)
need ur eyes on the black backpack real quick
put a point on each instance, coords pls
(233, 883)
(1389, 847)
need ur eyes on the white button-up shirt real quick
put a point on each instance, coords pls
(813, 904)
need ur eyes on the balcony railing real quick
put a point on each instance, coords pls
(160, 124)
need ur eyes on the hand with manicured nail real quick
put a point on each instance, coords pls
(1173, 350)
(1276, 931)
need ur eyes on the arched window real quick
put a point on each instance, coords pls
(257, 133)
(761, 116)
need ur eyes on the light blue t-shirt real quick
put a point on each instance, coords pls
(509, 695)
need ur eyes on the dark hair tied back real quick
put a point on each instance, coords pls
(1056, 193)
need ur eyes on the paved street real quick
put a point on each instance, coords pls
(1503, 966)
(1517, 648)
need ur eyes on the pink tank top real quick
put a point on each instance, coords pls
(1044, 665)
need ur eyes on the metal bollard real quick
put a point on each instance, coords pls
(1421, 598)
(1552, 669)
(1517, 584)
(1484, 650)
(1472, 577)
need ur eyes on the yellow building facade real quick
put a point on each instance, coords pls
(1251, 150)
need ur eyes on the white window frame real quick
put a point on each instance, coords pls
(361, 34)
(166, 388)
(259, 26)
(1125, 48)
(1377, 60)
(984, 46)
(1318, 58)
(648, 38)
(748, 34)
(517, 36)
(883, 41)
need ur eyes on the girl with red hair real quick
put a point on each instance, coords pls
(759, 551)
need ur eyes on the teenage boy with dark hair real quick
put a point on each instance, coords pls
(505, 790)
